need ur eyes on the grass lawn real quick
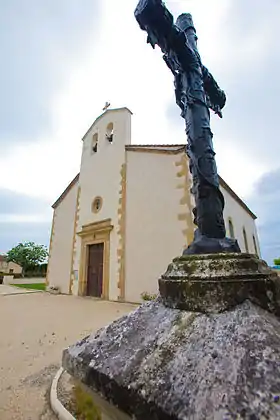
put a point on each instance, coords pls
(34, 286)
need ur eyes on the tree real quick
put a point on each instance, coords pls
(28, 255)
(277, 261)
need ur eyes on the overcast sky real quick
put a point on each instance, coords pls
(61, 60)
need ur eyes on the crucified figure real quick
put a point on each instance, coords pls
(196, 91)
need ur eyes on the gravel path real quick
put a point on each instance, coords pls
(34, 330)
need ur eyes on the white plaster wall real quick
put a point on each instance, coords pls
(154, 235)
(100, 175)
(240, 218)
(59, 266)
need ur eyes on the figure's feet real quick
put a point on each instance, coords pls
(204, 245)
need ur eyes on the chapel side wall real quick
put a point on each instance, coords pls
(60, 254)
(240, 219)
(103, 175)
(158, 218)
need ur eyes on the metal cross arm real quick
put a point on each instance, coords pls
(178, 46)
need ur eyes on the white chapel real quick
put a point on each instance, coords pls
(127, 214)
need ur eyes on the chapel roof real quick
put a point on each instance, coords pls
(65, 192)
(169, 148)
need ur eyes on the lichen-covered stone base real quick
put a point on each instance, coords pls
(159, 363)
(215, 282)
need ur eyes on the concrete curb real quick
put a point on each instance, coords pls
(56, 405)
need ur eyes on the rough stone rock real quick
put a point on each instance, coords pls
(163, 363)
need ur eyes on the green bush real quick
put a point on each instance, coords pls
(17, 275)
(148, 296)
(84, 406)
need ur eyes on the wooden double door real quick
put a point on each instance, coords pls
(95, 270)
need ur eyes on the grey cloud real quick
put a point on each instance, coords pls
(252, 83)
(38, 40)
(268, 188)
(13, 233)
(173, 113)
(269, 238)
(21, 204)
(266, 202)
(16, 204)
(251, 17)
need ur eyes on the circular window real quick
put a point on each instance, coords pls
(97, 204)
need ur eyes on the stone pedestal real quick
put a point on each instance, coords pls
(216, 282)
(216, 358)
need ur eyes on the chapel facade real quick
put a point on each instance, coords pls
(127, 214)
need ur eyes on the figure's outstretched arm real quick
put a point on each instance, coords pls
(154, 18)
(216, 95)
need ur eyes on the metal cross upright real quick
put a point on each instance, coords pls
(196, 91)
(106, 106)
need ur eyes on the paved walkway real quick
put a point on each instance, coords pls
(35, 328)
(5, 289)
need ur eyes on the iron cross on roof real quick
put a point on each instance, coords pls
(106, 106)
